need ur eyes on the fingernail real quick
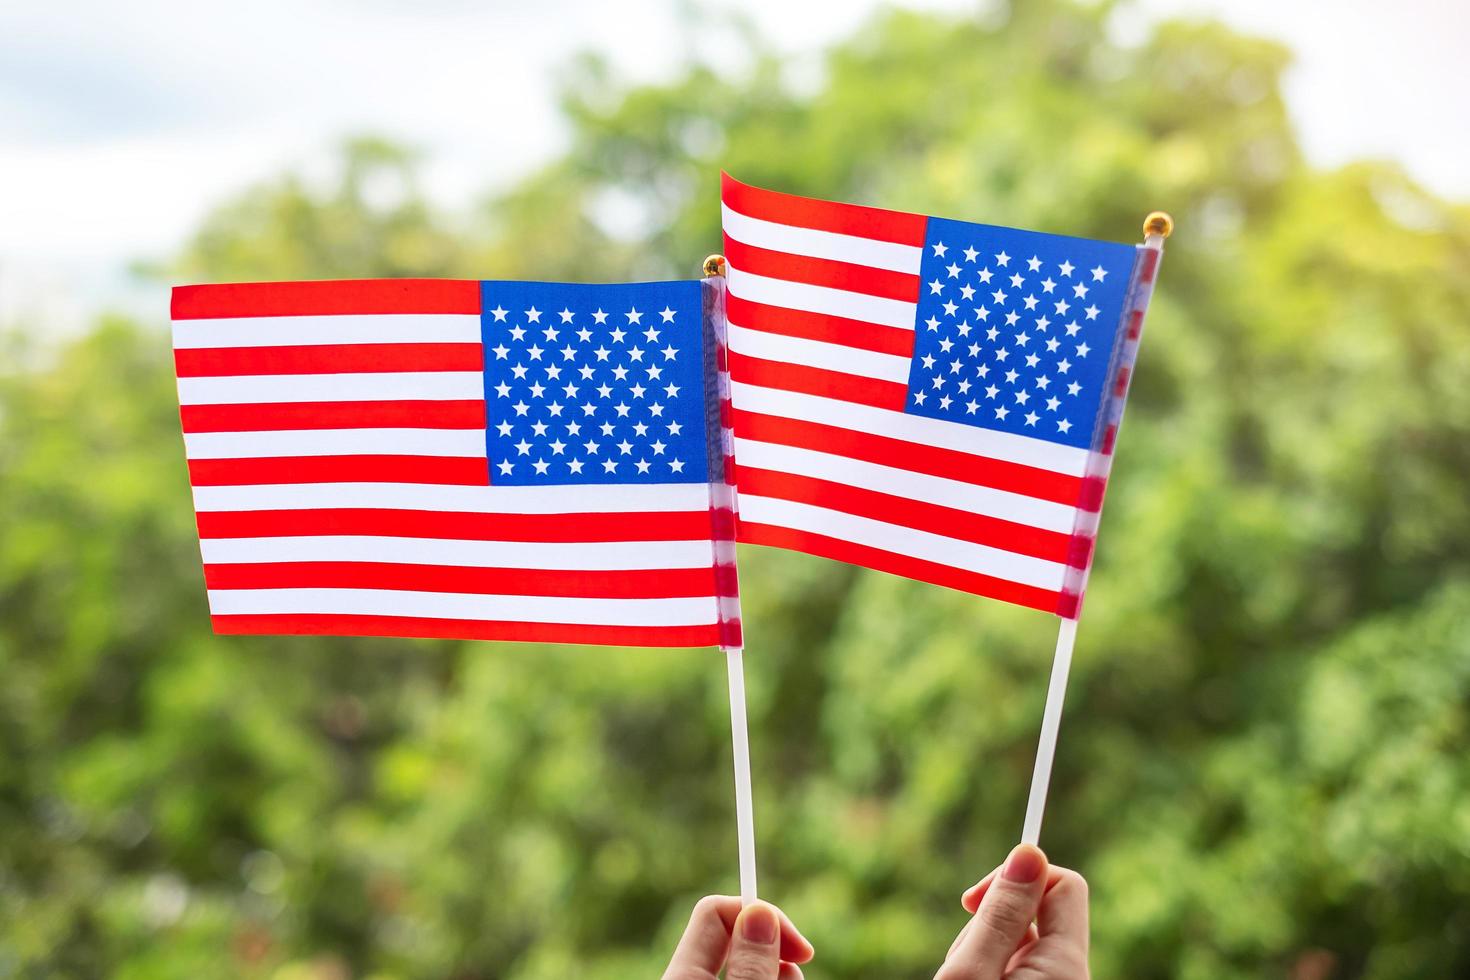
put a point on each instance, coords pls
(1024, 865)
(758, 925)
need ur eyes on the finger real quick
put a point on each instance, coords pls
(1000, 924)
(789, 971)
(755, 948)
(972, 896)
(1063, 912)
(795, 948)
(706, 938)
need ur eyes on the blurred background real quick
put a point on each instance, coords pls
(1263, 770)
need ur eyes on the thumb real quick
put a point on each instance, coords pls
(755, 950)
(1005, 914)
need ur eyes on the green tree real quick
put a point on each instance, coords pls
(1262, 767)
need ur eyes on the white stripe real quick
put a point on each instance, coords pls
(697, 611)
(388, 386)
(335, 442)
(297, 331)
(821, 244)
(473, 500)
(821, 299)
(904, 541)
(818, 354)
(1001, 504)
(591, 556)
(971, 439)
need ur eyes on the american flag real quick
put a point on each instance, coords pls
(927, 397)
(480, 460)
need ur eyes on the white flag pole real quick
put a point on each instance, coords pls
(725, 504)
(1156, 227)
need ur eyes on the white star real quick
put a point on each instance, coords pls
(503, 390)
(949, 309)
(963, 330)
(1052, 344)
(1031, 418)
(671, 390)
(1048, 284)
(574, 429)
(1001, 412)
(971, 406)
(675, 428)
(1063, 426)
(656, 409)
(533, 315)
(618, 334)
(1042, 323)
(1016, 280)
(566, 315)
(676, 465)
(669, 353)
(599, 316)
(591, 447)
(516, 333)
(636, 353)
(991, 391)
(932, 323)
(499, 313)
(625, 447)
(1099, 274)
(940, 249)
(658, 447)
(604, 390)
(642, 465)
(967, 292)
(606, 428)
(551, 333)
(945, 402)
(620, 372)
(535, 352)
(1072, 329)
(523, 447)
(585, 371)
(1021, 339)
(633, 316)
(589, 409)
(983, 313)
(1030, 302)
(999, 296)
(637, 390)
(505, 466)
(1042, 382)
(521, 408)
(1002, 259)
(1073, 388)
(936, 287)
(1011, 318)
(985, 275)
(1062, 306)
(569, 353)
(1082, 349)
(610, 465)
(584, 335)
(954, 367)
(946, 344)
(622, 409)
(555, 409)
(938, 382)
(1092, 312)
(537, 390)
(539, 429)
(575, 466)
(503, 427)
(928, 360)
(1032, 360)
(602, 353)
(640, 429)
(1080, 291)
(1001, 354)
(1011, 376)
(1033, 263)
(667, 314)
(970, 254)
(1063, 366)
(919, 397)
(1052, 403)
(1066, 268)
(953, 270)
(500, 350)
(541, 466)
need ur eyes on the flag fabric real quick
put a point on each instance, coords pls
(480, 460)
(927, 397)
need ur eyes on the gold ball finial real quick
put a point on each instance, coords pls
(1158, 223)
(714, 265)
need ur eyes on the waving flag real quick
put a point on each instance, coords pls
(485, 460)
(927, 397)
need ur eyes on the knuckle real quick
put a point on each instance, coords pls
(1007, 914)
(951, 972)
(749, 968)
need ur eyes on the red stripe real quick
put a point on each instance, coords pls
(822, 272)
(908, 512)
(951, 464)
(326, 298)
(304, 624)
(819, 326)
(326, 359)
(817, 381)
(1149, 265)
(469, 471)
(452, 525)
(415, 414)
(806, 212)
(674, 583)
(886, 561)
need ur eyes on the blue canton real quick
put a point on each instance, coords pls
(1015, 329)
(594, 384)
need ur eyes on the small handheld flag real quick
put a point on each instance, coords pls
(932, 398)
(922, 396)
(480, 460)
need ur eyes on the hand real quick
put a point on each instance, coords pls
(1029, 923)
(755, 943)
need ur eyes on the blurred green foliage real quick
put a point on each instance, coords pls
(1263, 770)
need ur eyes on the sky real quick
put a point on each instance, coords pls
(123, 124)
